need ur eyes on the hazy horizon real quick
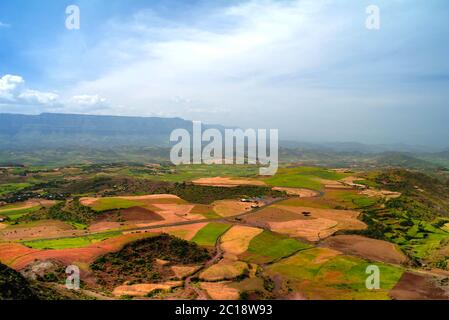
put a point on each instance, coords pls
(308, 68)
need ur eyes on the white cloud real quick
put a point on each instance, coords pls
(9, 85)
(13, 92)
(15, 96)
(39, 97)
(88, 100)
(299, 65)
(208, 67)
(4, 25)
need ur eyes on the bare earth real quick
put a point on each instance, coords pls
(236, 241)
(43, 229)
(186, 232)
(320, 224)
(141, 290)
(30, 204)
(228, 208)
(227, 182)
(19, 256)
(367, 248)
(226, 269)
(184, 271)
(220, 291)
(413, 286)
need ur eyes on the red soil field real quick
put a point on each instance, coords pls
(366, 248)
(413, 286)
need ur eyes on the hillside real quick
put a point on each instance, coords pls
(68, 130)
(13, 286)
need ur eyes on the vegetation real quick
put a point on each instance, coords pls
(268, 247)
(319, 274)
(15, 214)
(136, 261)
(69, 243)
(303, 177)
(209, 235)
(13, 286)
(70, 211)
(13, 187)
(207, 195)
(105, 204)
(415, 221)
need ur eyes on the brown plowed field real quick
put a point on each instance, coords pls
(413, 286)
(227, 182)
(316, 225)
(367, 248)
(18, 256)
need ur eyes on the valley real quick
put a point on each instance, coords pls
(211, 232)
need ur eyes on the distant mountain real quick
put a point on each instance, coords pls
(356, 147)
(403, 160)
(68, 130)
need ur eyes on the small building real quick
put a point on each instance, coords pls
(3, 219)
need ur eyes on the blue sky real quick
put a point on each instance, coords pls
(310, 68)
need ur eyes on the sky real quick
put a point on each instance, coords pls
(310, 68)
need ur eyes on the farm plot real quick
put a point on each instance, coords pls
(317, 224)
(367, 248)
(268, 247)
(227, 182)
(322, 274)
(226, 269)
(228, 208)
(69, 243)
(303, 177)
(237, 240)
(209, 235)
(38, 229)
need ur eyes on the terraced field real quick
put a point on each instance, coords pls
(305, 244)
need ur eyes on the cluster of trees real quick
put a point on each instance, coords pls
(136, 261)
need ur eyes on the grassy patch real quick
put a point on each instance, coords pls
(268, 247)
(303, 177)
(105, 204)
(206, 211)
(70, 243)
(208, 235)
(186, 173)
(12, 187)
(320, 274)
(354, 199)
(15, 214)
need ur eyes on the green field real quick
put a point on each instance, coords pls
(12, 187)
(70, 243)
(105, 204)
(15, 214)
(354, 200)
(209, 235)
(319, 274)
(184, 173)
(303, 177)
(268, 247)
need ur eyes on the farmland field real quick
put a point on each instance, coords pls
(209, 235)
(260, 238)
(268, 247)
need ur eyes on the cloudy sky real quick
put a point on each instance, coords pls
(309, 68)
